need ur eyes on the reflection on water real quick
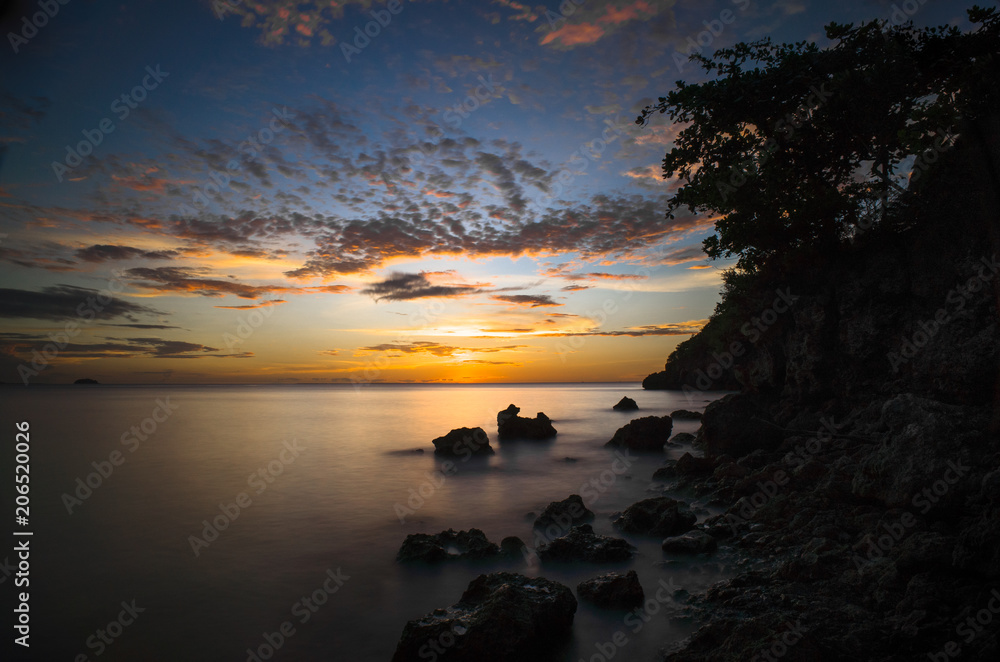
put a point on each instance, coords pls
(278, 488)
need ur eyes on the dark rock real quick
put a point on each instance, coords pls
(464, 442)
(738, 424)
(626, 404)
(86, 380)
(658, 516)
(501, 616)
(613, 591)
(512, 426)
(689, 465)
(564, 514)
(447, 546)
(649, 433)
(693, 542)
(685, 414)
(682, 438)
(582, 544)
(512, 547)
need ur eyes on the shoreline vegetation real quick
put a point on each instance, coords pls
(859, 462)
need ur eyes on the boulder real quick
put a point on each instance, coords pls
(512, 426)
(737, 425)
(446, 546)
(658, 516)
(512, 547)
(626, 404)
(682, 438)
(564, 514)
(649, 433)
(693, 542)
(686, 414)
(613, 591)
(582, 544)
(501, 616)
(464, 442)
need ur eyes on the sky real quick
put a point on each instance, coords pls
(203, 191)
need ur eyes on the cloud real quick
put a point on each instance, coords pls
(105, 252)
(576, 288)
(684, 254)
(185, 279)
(679, 329)
(404, 287)
(61, 302)
(259, 304)
(531, 300)
(330, 352)
(435, 348)
(116, 348)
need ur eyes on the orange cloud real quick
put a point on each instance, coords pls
(574, 35)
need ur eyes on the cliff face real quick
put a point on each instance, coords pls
(912, 310)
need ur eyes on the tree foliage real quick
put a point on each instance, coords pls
(791, 146)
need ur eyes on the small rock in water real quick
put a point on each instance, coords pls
(658, 516)
(445, 546)
(564, 514)
(464, 442)
(649, 433)
(626, 404)
(501, 616)
(582, 544)
(512, 426)
(686, 414)
(694, 542)
(613, 590)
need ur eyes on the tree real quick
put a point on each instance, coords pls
(792, 146)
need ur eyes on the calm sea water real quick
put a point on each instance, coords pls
(332, 504)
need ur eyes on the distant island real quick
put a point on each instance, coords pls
(86, 380)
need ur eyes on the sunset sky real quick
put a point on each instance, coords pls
(273, 196)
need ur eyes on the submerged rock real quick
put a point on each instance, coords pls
(649, 433)
(693, 542)
(564, 514)
(613, 590)
(626, 404)
(512, 426)
(464, 442)
(658, 516)
(582, 544)
(686, 414)
(446, 546)
(501, 616)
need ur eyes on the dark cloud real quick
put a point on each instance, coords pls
(403, 287)
(434, 348)
(576, 288)
(532, 300)
(680, 329)
(61, 302)
(21, 345)
(184, 279)
(259, 304)
(105, 252)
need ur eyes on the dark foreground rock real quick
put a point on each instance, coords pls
(501, 616)
(613, 590)
(658, 516)
(464, 442)
(448, 545)
(512, 426)
(693, 542)
(737, 425)
(648, 434)
(582, 544)
(626, 404)
(564, 514)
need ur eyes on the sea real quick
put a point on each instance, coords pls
(262, 522)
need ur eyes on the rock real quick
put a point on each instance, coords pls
(689, 465)
(694, 542)
(512, 426)
(582, 544)
(564, 514)
(649, 433)
(626, 404)
(737, 425)
(464, 442)
(658, 516)
(86, 380)
(512, 547)
(613, 591)
(501, 616)
(682, 438)
(446, 546)
(685, 414)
